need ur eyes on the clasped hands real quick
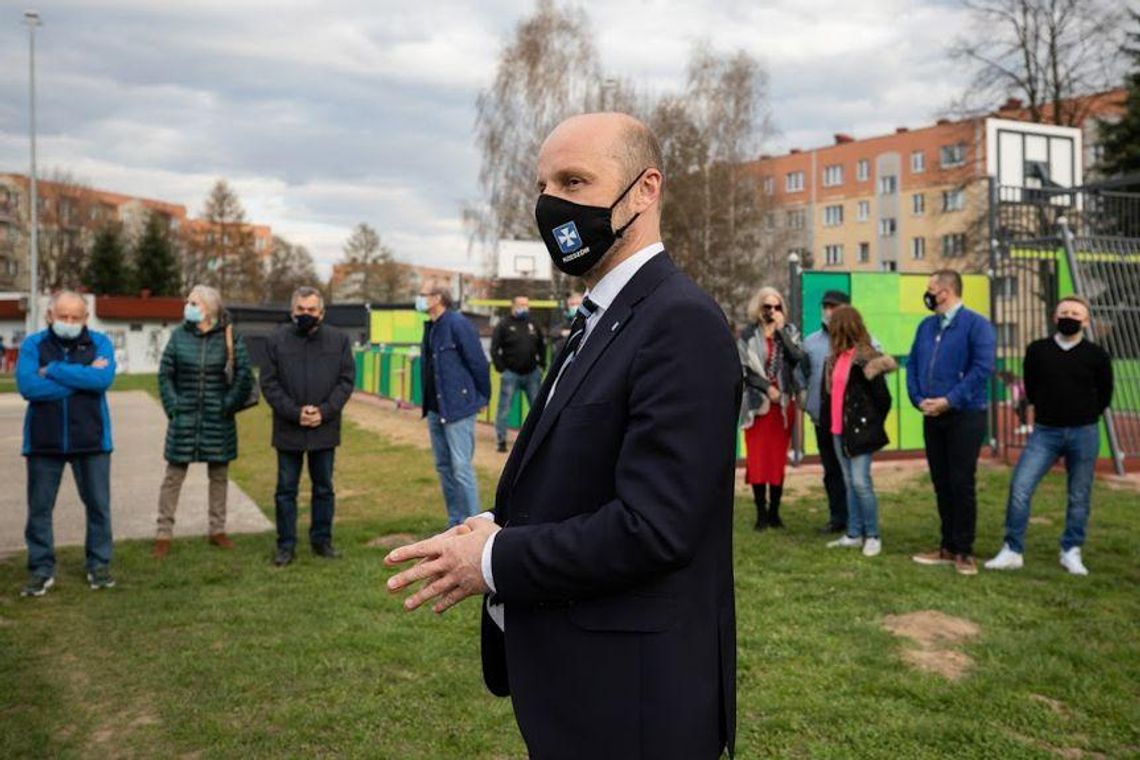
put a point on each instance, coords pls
(933, 407)
(450, 564)
(310, 416)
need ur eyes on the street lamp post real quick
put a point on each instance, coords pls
(32, 19)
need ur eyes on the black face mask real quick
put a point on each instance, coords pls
(930, 300)
(305, 323)
(1068, 326)
(577, 236)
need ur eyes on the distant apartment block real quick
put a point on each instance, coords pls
(73, 214)
(917, 199)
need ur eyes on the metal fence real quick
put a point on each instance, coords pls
(1049, 243)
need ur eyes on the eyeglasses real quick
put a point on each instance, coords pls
(773, 307)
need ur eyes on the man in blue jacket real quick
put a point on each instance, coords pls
(947, 379)
(456, 383)
(64, 373)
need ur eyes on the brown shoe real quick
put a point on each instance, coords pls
(937, 557)
(161, 548)
(965, 564)
(221, 540)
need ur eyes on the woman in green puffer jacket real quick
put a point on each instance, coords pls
(201, 396)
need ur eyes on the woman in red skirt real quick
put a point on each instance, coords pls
(769, 352)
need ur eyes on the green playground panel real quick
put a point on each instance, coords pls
(396, 326)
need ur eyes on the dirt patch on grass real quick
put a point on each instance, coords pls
(1057, 706)
(934, 635)
(1040, 521)
(391, 541)
(1068, 753)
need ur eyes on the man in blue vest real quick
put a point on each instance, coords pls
(456, 384)
(64, 373)
(947, 378)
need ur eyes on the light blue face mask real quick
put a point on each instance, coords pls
(192, 313)
(66, 330)
(421, 304)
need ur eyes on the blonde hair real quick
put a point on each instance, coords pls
(210, 298)
(758, 300)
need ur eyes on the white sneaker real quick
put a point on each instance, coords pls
(1006, 559)
(846, 542)
(1071, 561)
(872, 547)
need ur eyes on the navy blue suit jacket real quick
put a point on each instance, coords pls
(615, 558)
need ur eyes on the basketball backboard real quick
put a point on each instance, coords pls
(523, 260)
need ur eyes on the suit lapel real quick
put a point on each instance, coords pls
(613, 320)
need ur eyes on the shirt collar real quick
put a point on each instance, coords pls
(948, 317)
(1066, 346)
(607, 289)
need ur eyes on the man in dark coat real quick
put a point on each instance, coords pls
(611, 620)
(518, 350)
(307, 379)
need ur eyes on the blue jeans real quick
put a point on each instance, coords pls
(862, 504)
(453, 444)
(93, 480)
(512, 383)
(1079, 446)
(323, 501)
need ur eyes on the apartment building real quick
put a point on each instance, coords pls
(916, 200)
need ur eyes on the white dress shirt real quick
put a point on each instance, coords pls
(603, 295)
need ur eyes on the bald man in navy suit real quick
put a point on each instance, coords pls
(606, 571)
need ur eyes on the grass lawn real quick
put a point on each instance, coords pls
(214, 654)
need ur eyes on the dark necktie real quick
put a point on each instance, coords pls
(577, 333)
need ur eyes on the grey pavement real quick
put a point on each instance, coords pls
(137, 466)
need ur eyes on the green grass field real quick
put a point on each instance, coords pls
(215, 654)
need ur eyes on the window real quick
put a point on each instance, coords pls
(832, 216)
(889, 266)
(918, 162)
(1096, 153)
(833, 254)
(918, 248)
(833, 175)
(864, 253)
(954, 244)
(796, 220)
(863, 211)
(953, 200)
(770, 220)
(888, 227)
(794, 182)
(888, 185)
(953, 155)
(1005, 287)
(918, 204)
(769, 185)
(863, 170)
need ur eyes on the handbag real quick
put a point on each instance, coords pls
(254, 392)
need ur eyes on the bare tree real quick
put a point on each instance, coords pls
(713, 213)
(221, 249)
(373, 274)
(547, 72)
(290, 267)
(1044, 52)
(69, 215)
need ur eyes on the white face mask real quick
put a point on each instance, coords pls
(66, 330)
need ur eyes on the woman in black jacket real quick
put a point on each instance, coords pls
(856, 398)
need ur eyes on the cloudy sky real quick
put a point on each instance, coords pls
(326, 114)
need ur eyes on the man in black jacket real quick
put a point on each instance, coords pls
(307, 379)
(519, 354)
(612, 620)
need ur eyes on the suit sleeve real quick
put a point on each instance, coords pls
(31, 386)
(345, 382)
(473, 357)
(83, 377)
(983, 354)
(912, 370)
(676, 456)
(282, 404)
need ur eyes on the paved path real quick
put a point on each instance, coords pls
(137, 467)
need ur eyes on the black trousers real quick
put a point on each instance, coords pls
(953, 442)
(832, 476)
